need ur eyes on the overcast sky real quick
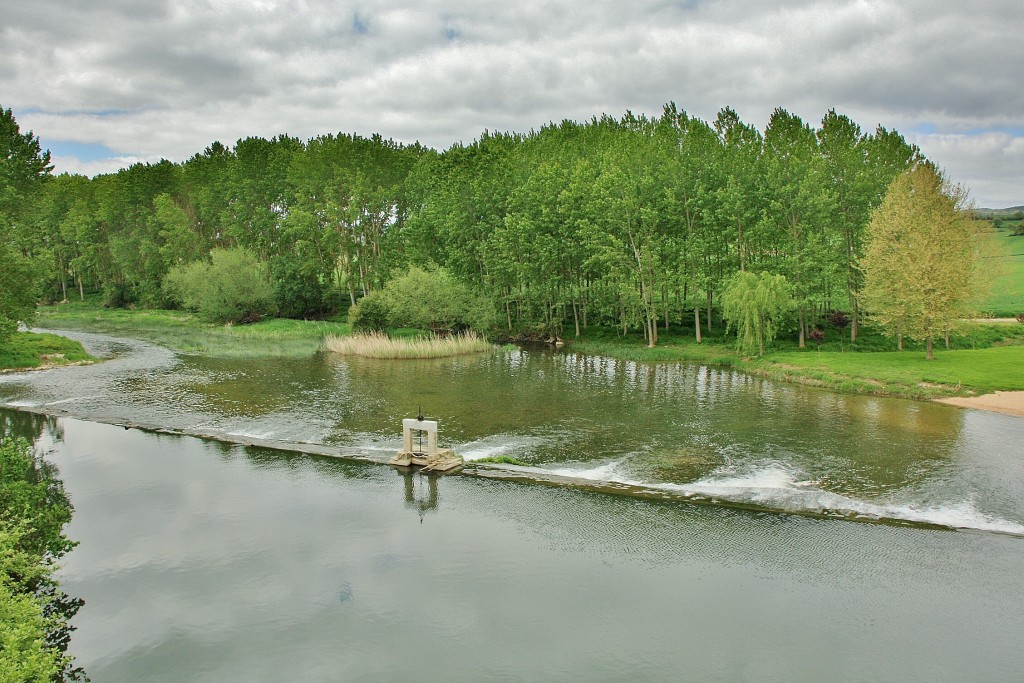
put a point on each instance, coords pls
(105, 83)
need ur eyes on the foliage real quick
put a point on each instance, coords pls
(24, 168)
(423, 299)
(434, 300)
(30, 350)
(838, 320)
(33, 613)
(755, 306)
(921, 266)
(232, 288)
(635, 222)
(298, 291)
(18, 278)
(380, 345)
(371, 314)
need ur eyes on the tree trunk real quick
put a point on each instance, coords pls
(899, 342)
(928, 354)
(81, 289)
(803, 328)
(696, 322)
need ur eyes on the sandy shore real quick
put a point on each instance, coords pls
(1007, 402)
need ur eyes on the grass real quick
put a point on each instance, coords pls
(31, 350)
(984, 358)
(380, 345)
(906, 373)
(503, 460)
(271, 338)
(1007, 297)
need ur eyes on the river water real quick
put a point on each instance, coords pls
(202, 560)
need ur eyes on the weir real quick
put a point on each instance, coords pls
(414, 452)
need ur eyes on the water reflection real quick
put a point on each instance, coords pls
(420, 490)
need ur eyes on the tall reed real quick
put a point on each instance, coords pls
(380, 345)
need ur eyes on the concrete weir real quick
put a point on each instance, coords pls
(429, 456)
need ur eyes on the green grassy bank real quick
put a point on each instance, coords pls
(31, 350)
(984, 358)
(271, 338)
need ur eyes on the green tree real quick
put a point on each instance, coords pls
(33, 611)
(24, 167)
(755, 305)
(921, 266)
(233, 287)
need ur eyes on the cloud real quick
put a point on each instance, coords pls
(164, 79)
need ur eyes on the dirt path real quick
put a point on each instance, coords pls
(1006, 402)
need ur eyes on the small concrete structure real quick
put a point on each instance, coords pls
(430, 458)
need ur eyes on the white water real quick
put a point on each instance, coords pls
(776, 486)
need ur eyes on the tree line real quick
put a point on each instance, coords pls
(636, 221)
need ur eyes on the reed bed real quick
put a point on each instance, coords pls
(380, 345)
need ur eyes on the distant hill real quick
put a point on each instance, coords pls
(999, 212)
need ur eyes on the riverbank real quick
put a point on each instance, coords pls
(182, 331)
(984, 358)
(993, 364)
(1005, 402)
(39, 351)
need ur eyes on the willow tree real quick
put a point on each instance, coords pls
(756, 305)
(921, 263)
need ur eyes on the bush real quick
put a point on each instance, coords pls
(434, 300)
(424, 299)
(839, 320)
(233, 288)
(371, 314)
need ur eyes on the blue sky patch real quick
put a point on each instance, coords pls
(83, 151)
(360, 24)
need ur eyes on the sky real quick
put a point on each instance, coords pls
(107, 83)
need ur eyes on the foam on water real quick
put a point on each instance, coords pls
(775, 486)
(71, 400)
(495, 446)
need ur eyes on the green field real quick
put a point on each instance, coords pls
(1007, 296)
(905, 373)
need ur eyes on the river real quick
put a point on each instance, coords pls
(719, 557)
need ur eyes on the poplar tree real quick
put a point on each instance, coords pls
(921, 263)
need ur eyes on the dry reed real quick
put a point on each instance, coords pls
(379, 345)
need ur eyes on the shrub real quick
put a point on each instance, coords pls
(839, 320)
(233, 287)
(424, 299)
(1020, 318)
(371, 314)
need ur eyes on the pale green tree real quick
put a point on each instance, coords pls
(921, 265)
(755, 306)
(233, 287)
